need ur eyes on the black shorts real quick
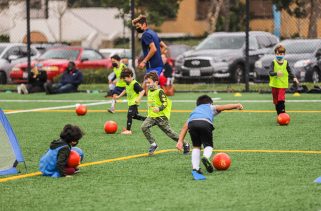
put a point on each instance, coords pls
(201, 133)
(132, 110)
(118, 90)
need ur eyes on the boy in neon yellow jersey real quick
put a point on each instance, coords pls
(120, 83)
(159, 109)
(280, 72)
(134, 95)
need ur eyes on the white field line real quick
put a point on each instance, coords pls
(57, 107)
(178, 101)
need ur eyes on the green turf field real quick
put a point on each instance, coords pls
(278, 178)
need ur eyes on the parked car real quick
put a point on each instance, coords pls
(55, 60)
(303, 56)
(222, 56)
(10, 55)
(122, 52)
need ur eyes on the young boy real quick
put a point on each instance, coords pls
(53, 163)
(159, 109)
(120, 84)
(134, 95)
(168, 71)
(280, 72)
(200, 127)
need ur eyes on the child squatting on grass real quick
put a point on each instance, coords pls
(53, 162)
(159, 110)
(134, 95)
(200, 127)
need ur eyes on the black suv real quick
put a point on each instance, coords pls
(221, 56)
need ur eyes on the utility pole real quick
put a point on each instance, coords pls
(132, 11)
(28, 36)
(247, 59)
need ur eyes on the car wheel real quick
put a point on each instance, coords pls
(3, 78)
(238, 74)
(314, 75)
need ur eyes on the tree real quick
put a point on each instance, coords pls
(302, 9)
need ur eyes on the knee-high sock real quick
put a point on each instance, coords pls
(196, 158)
(208, 152)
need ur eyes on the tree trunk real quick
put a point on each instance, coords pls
(227, 15)
(313, 19)
(213, 13)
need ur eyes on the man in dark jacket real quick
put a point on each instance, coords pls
(70, 80)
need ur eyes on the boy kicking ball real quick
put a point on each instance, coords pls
(200, 127)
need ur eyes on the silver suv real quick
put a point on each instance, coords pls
(10, 55)
(222, 56)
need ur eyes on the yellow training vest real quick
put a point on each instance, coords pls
(280, 82)
(131, 94)
(117, 71)
(154, 101)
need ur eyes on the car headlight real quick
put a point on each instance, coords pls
(258, 64)
(50, 68)
(179, 61)
(302, 63)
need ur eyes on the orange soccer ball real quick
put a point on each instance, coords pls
(221, 161)
(81, 110)
(110, 127)
(73, 159)
(283, 119)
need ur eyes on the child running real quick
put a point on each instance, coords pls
(134, 95)
(200, 127)
(159, 109)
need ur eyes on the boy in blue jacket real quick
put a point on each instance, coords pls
(200, 127)
(53, 163)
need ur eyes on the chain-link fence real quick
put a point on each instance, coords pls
(206, 38)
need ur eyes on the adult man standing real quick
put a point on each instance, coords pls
(152, 46)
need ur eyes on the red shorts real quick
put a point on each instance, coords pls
(278, 94)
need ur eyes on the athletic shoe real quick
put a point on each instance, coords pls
(111, 110)
(198, 175)
(152, 149)
(208, 165)
(126, 132)
(186, 148)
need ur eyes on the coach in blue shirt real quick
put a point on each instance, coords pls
(152, 46)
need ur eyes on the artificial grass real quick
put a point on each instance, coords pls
(255, 181)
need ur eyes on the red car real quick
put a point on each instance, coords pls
(55, 60)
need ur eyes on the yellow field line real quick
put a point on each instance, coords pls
(160, 152)
(174, 111)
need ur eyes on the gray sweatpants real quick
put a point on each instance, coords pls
(162, 123)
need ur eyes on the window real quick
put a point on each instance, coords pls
(202, 9)
(91, 55)
(253, 43)
(12, 51)
(264, 42)
(35, 4)
(39, 8)
(261, 9)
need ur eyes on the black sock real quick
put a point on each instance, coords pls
(282, 107)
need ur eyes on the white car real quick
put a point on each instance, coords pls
(10, 55)
(122, 52)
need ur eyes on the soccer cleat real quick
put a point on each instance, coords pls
(126, 132)
(208, 165)
(198, 175)
(186, 148)
(152, 149)
(111, 110)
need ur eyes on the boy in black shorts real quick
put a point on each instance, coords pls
(200, 127)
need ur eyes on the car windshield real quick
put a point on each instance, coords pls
(175, 51)
(222, 42)
(69, 54)
(301, 47)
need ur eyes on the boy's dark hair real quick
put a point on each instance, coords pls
(116, 57)
(152, 75)
(126, 73)
(71, 133)
(140, 19)
(279, 49)
(204, 99)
